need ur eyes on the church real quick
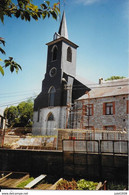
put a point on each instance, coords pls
(60, 86)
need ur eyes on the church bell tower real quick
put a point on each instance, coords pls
(50, 105)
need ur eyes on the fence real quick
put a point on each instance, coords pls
(96, 146)
(81, 134)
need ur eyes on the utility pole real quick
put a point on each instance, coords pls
(69, 103)
(88, 109)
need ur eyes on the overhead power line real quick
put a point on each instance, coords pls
(19, 92)
(10, 96)
(16, 102)
(73, 88)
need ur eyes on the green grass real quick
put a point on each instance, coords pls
(24, 183)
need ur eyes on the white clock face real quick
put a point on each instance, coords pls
(53, 72)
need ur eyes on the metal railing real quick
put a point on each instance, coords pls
(95, 146)
(114, 146)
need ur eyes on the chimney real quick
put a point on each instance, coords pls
(100, 81)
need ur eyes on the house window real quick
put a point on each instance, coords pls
(51, 96)
(109, 108)
(110, 128)
(54, 52)
(127, 106)
(89, 109)
(89, 127)
(69, 54)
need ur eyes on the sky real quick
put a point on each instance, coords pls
(98, 27)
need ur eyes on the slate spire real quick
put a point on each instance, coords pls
(63, 27)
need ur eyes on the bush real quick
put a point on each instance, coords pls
(82, 184)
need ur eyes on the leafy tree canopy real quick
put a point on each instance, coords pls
(115, 78)
(26, 10)
(11, 113)
(21, 115)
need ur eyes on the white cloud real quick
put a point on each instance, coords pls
(88, 2)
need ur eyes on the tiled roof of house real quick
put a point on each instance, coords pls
(108, 88)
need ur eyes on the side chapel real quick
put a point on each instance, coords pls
(60, 87)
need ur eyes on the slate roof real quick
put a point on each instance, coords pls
(108, 88)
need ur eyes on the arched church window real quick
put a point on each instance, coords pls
(54, 52)
(69, 54)
(51, 96)
(50, 117)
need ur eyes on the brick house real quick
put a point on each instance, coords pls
(105, 107)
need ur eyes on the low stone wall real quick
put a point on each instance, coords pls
(14, 142)
(91, 166)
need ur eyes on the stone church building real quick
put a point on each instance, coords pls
(60, 87)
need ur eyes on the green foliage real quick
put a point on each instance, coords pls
(8, 62)
(21, 115)
(25, 10)
(24, 183)
(3, 43)
(3, 52)
(67, 185)
(82, 184)
(11, 113)
(115, 78)
(13, 65)
(25, 110)
(1, 70)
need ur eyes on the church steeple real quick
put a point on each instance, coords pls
(61, 52)
(63, 27)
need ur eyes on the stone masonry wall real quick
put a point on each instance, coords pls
(98, 120)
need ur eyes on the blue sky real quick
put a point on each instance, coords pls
(99, 27)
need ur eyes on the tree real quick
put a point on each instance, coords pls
(11, 114)
(25, 110)
(21, 115)
(26, 10)
(115, 78)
